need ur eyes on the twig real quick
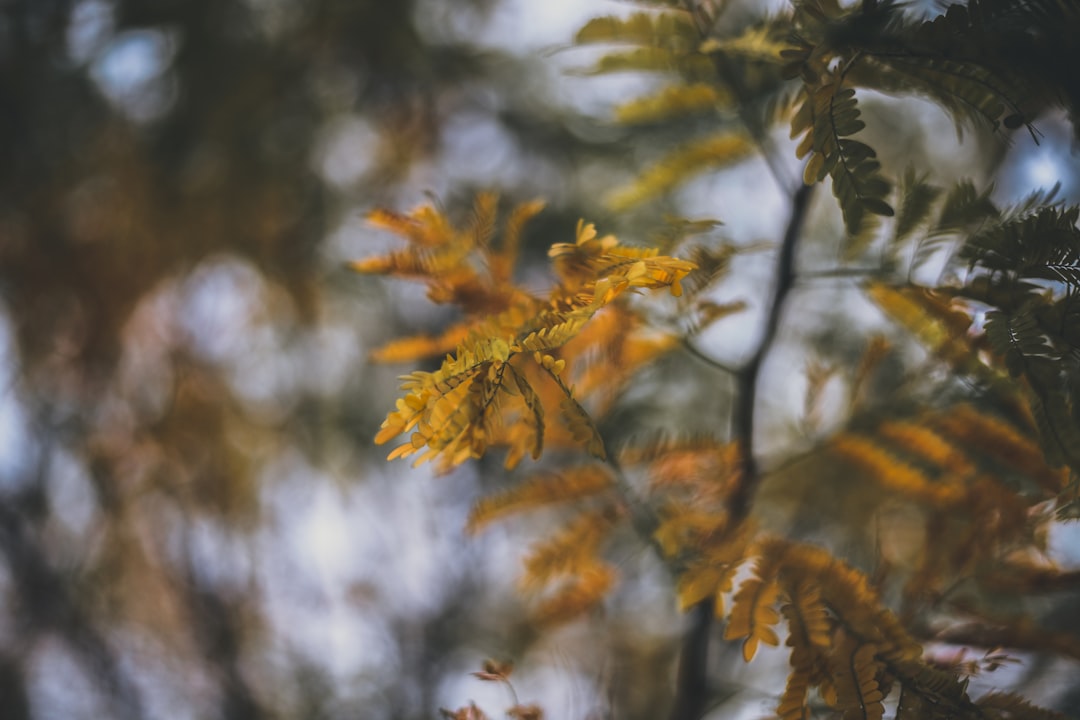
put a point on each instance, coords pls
(1016, 637)
(712, 362)
(742, 494)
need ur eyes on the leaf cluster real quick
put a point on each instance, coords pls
(485, 392)
(807, 68)
(978, 460)
(1020, 270)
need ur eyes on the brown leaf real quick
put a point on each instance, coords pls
(526, 712)
(495, 671)
(466, 713)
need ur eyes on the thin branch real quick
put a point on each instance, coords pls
(691, 690)
(854, 273)
(712, 362)
(691, 684)
(742, 495)
(1015, 637)
(642, 516)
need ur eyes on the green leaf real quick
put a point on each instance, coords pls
(917, 199)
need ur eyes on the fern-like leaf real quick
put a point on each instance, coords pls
(501, 264)
(807, 618)
(932, 449)
(425, 226)
(707, 312)
(1005, 444)
(938, 324)
(917, 197)
(848, 594)
(753, 614)
(672, 102)
(417, 347)
(670, 31)
(970, 91)
(1016, 337)
(792, 705)
(531, 437)
(1057, 426)
(541, 490)
(1008, 706)
(964, 207)
(704, 580)
(571, 552)
(937, 693)
(581, 426)
(693, 67)
(712, 265)
(762, 42)
(1044, 244)
(854, 675)
(810, 637)
(892, 473)
(828, 114)
(577, 596)
(682, 164)
(460, 410)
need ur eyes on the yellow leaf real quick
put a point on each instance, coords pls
(572, 551)
(812, 173)
(675, 101)
(539, 490)
(704, 580)
(891, 472)
(753, 615)
(667, 30)
(578, 596)
(711, 152)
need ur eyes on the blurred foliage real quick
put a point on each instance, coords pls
(193, 523)
(185, 388)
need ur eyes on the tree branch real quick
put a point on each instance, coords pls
(742, 495)
(691, 691)
(691, 683)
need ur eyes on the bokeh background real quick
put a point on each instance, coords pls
(193, 520)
